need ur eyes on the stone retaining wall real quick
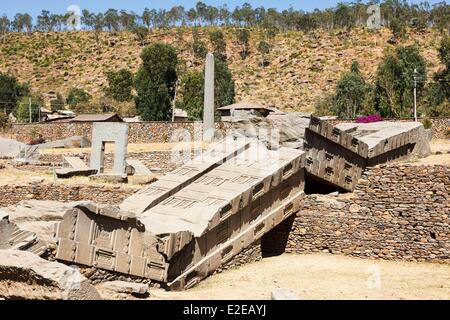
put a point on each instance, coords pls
(396, 212)
(149, 132)
(139, 132)
(108, 194)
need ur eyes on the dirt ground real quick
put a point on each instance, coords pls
(322, 276)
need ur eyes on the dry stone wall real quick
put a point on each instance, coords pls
(397, 212)
(139, 132)
(108, 194)
(149, 132)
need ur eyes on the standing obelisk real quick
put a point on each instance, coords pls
(208, 102)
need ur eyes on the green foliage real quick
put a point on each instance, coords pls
(398, 28)
(4, 121)
(343, 15)
(324, 106)
(351, 93)
(155, 82)
(244, 38)
(120, 85)
(192, 98)
(23, 109)
(77, 96)
(198, 46)
(224, 91)
(58, 103)
(140, 32)
(10, 92)
(192, 90)
(427, 123)
(394, 81)
(438, 92)
(219, 44)
(264, 49)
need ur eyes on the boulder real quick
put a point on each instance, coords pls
(285, 130)
(284, 294)
(24, 275)
(38, 216)
(126, 287)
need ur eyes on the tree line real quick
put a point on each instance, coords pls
(395, 14)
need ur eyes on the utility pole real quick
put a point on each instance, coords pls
(29, 107)
(174, 101)
(415, 95)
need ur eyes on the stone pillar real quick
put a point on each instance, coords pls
(208, 104)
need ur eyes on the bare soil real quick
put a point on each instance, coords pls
(321, 276)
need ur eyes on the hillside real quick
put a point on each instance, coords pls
(303, 66)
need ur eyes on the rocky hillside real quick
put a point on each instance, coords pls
(303, 66)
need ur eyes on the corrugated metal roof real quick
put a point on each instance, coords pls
(247, 105)
(95, 117)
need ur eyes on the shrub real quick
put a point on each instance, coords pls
(4, 121)
(427, 123)
(77, 96)
(120, 85)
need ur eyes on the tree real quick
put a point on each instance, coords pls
(264, 49)
(141, 33)
(155, 82)
(22, 22)
(224, 90)
(394, 81)
(24, 108)
(192, 90)
(77, 96)
(219, 44)
(46, 22)
(111, 20)
(198, 46)
(244, 38)
(437, 97)
(192, 100)
(120, 85)
(4, 27)
(58, 103)
(9, 92)
(351, 93)
(147, 18)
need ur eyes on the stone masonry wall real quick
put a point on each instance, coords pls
(149, 132)
(139, 132)
(108, 194)
(397, 212)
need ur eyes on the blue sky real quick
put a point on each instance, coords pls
(11, 7)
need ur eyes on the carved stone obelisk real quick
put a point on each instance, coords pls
(208, 103)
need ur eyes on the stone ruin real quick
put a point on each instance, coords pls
(187, 224)
(338, 154)
(103, 133)
(181, 228)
